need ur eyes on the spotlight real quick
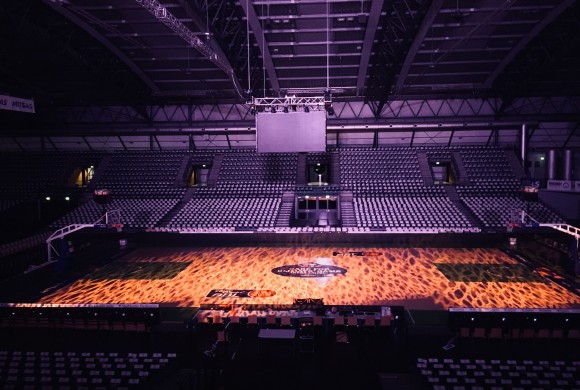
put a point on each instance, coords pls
(306, 109)
(330, 111)
(47, 198)
(67, 198)
(273, 110)
(293, 107)
(253, 111)
(286, 109)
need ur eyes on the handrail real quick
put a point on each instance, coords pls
(110, 217)
(562, 227)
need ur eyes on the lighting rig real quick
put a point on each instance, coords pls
(292, 103)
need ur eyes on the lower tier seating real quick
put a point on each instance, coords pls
(482, 374)
(412, 212)
(496, 211)
(138, 213)
(227, 212)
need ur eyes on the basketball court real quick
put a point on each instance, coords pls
(417, 278)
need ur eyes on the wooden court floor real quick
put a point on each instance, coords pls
(418, 278)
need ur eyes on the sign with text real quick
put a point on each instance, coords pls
(563, 185)
(229, 293)
(12, 103)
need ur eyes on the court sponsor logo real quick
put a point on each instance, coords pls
(309, 270)
(356, 254)
(229, 293)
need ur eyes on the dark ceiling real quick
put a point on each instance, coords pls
(141, 51)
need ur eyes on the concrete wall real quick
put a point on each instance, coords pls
(566, 204)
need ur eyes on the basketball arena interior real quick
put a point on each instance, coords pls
(290, 194)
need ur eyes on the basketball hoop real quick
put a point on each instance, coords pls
(118, 226)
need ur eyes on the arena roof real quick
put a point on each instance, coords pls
(135, 50)
(375, 56)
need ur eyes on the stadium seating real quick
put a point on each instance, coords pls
(233, 212)
(493, 191)
(390, 193)
(445, 373)
(26, 176)
(411, 212)
(54, 369)
(137, 213)
(248, 193)
(497, 211)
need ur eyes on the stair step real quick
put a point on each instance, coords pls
(347, 214)
(424, 168)
(215, 170)
(462, 207)
(462, 176)
(189, 193)
(285, 212)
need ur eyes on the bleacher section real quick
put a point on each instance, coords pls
(23, 244)
(379, 170)
(493, 191)
(389, 190)
(397, 214)
(250, 212)
(496, 211)
(30, 175)
(24, 175)
(111, 370)
(143, 188)
(390, 193)
(248, 193)
(138, 175)
(498, 373)
(136, 213)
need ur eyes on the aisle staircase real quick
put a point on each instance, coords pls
(189, 193)
(425, 168)
(285, 213)
(347, 215)
(301, 170)
(215, 170)
(462, 207)
(461, 172)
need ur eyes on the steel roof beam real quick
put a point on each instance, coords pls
(201, 25)
(254, 23)
(488, 19)
(370, 32)
(525, 40)
(169, 20)
(288, 2)
(419, 37)
(309, 16)
(312, 30)
(572, 133)
(105, 42)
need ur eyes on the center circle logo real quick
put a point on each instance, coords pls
(309, 270)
